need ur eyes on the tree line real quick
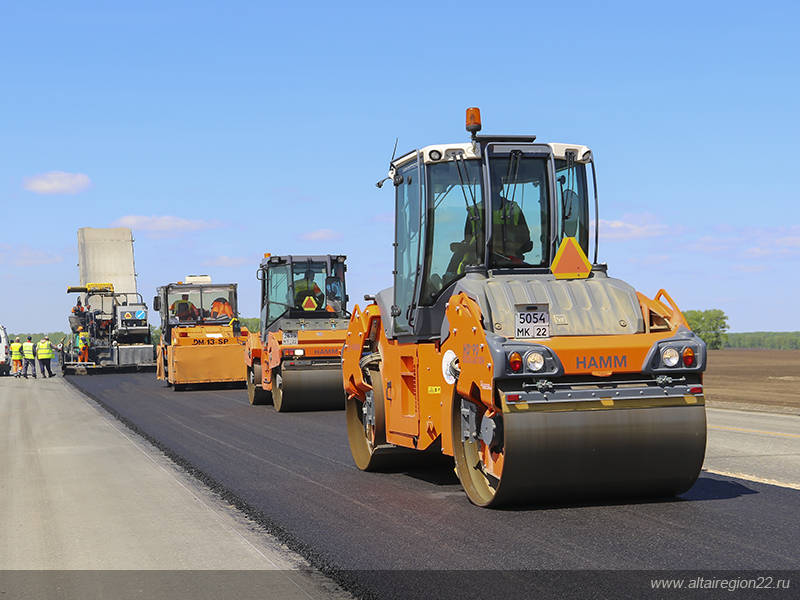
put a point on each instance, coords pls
(773, 340)
(712, 327)
(55, 336)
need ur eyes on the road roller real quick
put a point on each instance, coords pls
(503, 345)
(202, 340)
(296, 358)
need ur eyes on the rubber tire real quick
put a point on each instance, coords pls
(255, 393)
(373, 454)
(475, 484)
(277, 388)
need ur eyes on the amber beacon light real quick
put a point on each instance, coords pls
(473, 120)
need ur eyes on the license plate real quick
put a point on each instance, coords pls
(532, 322)
(290, 338)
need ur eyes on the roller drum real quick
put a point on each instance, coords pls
(583, 454)
(308, 387)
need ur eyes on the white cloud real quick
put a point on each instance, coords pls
(229, 261)
(750, 268)
(651, 260)
(165, 226)
(321, 235)
(710, 243)
(25, 256)
(57, 182)
(792, 241)
(387, 217)
(632, 227)
(760, 252)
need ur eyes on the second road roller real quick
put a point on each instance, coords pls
(296, 358)
(502, 345)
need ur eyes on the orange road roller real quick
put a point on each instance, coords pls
(502, 345)
(296, 359)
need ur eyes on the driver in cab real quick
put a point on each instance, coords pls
(306, 288)
(184, 309)
(511, 237)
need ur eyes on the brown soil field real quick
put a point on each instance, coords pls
(759, 378)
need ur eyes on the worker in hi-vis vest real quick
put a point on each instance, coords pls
(28, 358)
(45, 354)
(16, 358)
(82, 343)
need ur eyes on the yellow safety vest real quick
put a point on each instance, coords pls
(16, 351)
(83, 340)
(27, 350)
(44, 350)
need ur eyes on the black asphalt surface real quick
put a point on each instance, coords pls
(414, 533)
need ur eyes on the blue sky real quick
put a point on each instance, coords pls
(219, 132)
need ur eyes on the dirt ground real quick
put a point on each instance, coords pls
(759, 378)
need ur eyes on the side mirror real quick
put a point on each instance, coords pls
(157, 303)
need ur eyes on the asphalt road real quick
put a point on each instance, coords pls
(385, 535)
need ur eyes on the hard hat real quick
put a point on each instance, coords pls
(17, 339)
(46, 337)
(80, 328)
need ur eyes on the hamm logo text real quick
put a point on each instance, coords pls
(602, 362)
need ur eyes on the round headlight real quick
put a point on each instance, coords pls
(670, 357)
(435, 155)
(535, 361)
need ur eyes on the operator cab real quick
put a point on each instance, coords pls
(301, 287)
(538, 194)
(190, 305)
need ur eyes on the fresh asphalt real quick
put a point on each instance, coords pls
(396, 535)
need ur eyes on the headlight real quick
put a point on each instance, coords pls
(670, 357)
(535, 361)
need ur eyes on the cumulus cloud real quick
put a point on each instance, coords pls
(321, 235)
(387, 217)
(651, 259)
(57, 182)
(229, 261)
(25, 256)
(165, 226)
(632, 227)
(750, 268)
(710, 243)
(792, 241)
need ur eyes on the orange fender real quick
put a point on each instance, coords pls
(467, 341)
(365, 326)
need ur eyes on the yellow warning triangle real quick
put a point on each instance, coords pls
(570, 261)
(309, 303)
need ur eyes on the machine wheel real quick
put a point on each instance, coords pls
(368, 441)
(255, 393)
(543, 456)
(277, 388)
(307, 388)
(471, 452)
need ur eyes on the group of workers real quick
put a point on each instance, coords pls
(24, 355)
(185, 309)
